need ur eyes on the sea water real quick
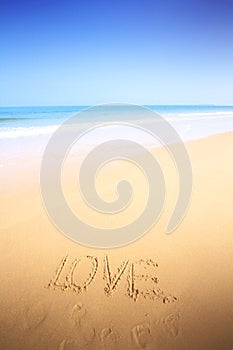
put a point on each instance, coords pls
(26, 130)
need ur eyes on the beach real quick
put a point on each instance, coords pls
(160, 292)
(116, 175)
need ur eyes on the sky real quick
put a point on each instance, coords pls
(91, 52)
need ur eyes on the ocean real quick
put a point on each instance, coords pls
(25, 129)
(199, 121)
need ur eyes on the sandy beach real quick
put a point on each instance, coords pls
(160, 292)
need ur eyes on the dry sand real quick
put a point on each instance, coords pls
(161, 292)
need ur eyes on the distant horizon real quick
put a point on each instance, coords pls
(146, 105)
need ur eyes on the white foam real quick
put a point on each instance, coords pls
(28, 131)
(227, 117)
(197, 116)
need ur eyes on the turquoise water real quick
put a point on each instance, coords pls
(25, 131)
(29, 121)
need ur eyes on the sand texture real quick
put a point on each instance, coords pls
(160, 292)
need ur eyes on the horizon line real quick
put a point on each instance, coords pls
(143, 105)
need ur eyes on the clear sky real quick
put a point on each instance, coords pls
(143, 51)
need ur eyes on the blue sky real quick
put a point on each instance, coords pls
(90, 52)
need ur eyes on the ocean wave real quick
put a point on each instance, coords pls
(198, 115)
(26, 131)
(6, 119)
(179, 118)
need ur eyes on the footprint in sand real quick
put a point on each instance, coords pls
(68, 345)
(35, 315)
(84, 340)
(86, 337)
(171, 324)
(78, 313)
(169, 299)
(85, 334)
(141, 335)
(108, 338)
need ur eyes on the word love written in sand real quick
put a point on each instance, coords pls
(79, 274)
